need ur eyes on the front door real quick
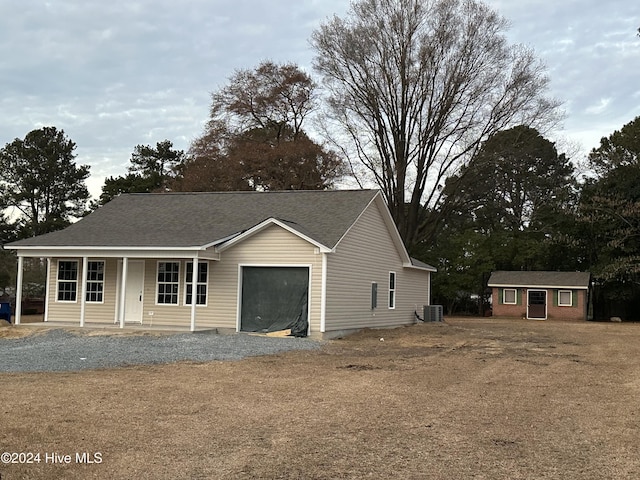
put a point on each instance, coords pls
(133, 295)
(537, 304)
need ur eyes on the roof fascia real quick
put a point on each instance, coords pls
(391, 227)
(423, 269)
(115, 252)
(511, 285)
(264, 224)
(221, 240)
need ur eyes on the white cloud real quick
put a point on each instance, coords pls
(120, 73)
(599, 107)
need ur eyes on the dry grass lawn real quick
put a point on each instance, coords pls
(470, 398)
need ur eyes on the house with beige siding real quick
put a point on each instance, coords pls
(320, 263)
(540, 295)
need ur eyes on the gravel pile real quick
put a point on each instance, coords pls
(61, 350)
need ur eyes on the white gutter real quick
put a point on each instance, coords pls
(511, 285)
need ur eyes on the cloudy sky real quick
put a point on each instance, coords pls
(118, 73)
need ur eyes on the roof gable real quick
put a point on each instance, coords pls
(289, 226)
(179, 220)
(575, 280)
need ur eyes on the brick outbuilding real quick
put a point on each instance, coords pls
(540, 295)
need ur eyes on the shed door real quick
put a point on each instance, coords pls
(537, 304)
(274, 298)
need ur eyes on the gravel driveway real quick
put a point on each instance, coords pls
(61, 350)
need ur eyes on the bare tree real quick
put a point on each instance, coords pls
(415, 87)
(269, 96)
(255, 137)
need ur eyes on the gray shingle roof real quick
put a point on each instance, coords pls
(539, 279)
(417, 263)
(196, 219)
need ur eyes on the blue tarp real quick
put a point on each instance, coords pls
(5, 312)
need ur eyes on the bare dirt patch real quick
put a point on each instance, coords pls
(8, 330)
(470, 398)
(34, 325)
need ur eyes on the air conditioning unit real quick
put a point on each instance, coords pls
(433, 313)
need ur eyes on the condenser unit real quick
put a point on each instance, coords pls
(433, 313)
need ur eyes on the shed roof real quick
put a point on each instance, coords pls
(575, 280)
(198, 219)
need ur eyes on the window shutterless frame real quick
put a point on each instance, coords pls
(392, 290)
(202, 281)
(67, 281)
(509, 296)
(95, 281)
(374, 295)
(168, 283)
(565, 298)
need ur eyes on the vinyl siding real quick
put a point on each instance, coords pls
(95, 313)
(163, 314)
(104, 312)
(61, 311)
(271, 246)
(154, 314)
(366, 255)
(178, 315)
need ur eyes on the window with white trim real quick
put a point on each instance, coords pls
(95, 281)
(509, 296)
(565, 298)
(168, 283)
(392, 289)
(201, 283)
(374, 295)
(67, 280)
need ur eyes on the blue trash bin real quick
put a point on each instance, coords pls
(5, 311)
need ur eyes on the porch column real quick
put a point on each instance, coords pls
(194, 286)
(18, 311)
(123, 289)
(83, 290)
(47, 291)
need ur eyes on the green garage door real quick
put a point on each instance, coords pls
(274, 298)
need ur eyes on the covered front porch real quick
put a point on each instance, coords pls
(107, 289)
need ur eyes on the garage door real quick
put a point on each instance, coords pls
(274, 298)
